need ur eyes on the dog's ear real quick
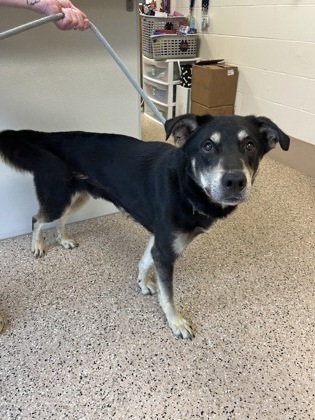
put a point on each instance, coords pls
(181, 127)
(272, 133)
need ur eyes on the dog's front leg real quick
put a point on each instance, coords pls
(165, 268)
(145, 282)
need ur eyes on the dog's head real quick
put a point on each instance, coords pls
(224, 151)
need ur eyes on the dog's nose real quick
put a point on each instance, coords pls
(234, 181)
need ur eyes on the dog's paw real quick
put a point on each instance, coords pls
(181, 328)
(68, 243)
(147, 287)
(38, 250)
(38, 245)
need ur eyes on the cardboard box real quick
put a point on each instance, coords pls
(214, 84)
(199, 109)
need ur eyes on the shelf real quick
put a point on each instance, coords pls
(172, 60)
(151, 79)
(161, 103)
(160, 79)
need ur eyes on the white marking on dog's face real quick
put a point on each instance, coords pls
(242, 135)
(210, 180)
(216, 137)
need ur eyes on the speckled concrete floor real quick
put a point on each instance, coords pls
(83, 343)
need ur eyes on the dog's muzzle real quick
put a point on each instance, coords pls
(234, 187)
(234, 182)
(231, 189)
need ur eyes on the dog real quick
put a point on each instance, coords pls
(175, 191)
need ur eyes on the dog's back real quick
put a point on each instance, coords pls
(28, 150)
(66, 163)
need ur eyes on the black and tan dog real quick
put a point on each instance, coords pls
(176, 193)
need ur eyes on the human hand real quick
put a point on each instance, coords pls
(74, 18)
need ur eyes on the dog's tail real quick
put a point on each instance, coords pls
(24, 149)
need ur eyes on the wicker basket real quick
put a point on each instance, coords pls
(150, 24)
(174, 46)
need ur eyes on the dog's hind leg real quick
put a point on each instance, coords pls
(77, 201)
(145, 281)
(62, 238)
(37, 236)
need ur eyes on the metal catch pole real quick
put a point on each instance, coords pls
(31, 25)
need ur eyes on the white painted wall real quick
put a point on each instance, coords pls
(273, 44)
(53, 80)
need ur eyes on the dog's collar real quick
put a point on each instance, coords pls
(199, 202)
(196, 210)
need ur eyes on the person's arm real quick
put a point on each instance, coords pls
(74, 18)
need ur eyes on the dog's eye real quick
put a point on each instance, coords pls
(208, 146)
(250, 147)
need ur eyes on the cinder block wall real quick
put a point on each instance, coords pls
(274, 47)
(273, 44)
